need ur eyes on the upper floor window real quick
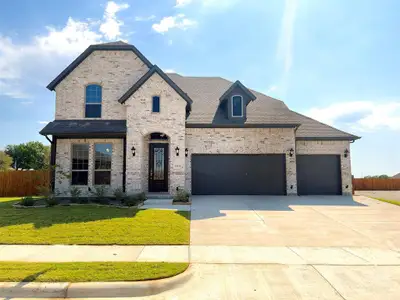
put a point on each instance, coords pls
(156, 104)
(93, 101)
(237, 106)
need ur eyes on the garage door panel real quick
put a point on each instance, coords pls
(231, 174)
(318, 175)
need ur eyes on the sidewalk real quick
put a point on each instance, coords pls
(203, 254)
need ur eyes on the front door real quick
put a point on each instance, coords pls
(158, 168)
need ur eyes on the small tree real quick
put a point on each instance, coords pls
(5, 161)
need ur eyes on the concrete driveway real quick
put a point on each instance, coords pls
(320, 221)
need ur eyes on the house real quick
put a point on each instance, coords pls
(122, 122)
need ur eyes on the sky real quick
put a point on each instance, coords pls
(334, 60)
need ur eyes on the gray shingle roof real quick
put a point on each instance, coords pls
(206, 92)
(71, 127)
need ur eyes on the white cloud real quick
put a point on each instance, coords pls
(43, 122)
(360, 115)
(180, 3)
(285, 44)
(111, 25)
(23, 64)
(178, 21)
(143, 19)
(169, 71)
(70, 40)
(26, 102)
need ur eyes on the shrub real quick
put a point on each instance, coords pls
(75, 193)
(119, 194)
(135, 199)
(27, 201)
(52, 201)
(182, 196)
(100, 192)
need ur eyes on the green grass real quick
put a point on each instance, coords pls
(85, 272)
(395, 202)
(91, 225)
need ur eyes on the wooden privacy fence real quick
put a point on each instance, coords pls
(22, 183)
(374, 184)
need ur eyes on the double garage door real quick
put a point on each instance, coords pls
(243, 174)
(233, 174)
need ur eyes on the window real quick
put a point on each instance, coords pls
(237, 106)
(93, 101)
(80, 164)
(156, 104)
(102, 164)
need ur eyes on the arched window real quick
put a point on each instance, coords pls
(93, 101)
(237, 106)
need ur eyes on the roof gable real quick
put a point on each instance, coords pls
(242, 87)
(145, 77)
(119, 46)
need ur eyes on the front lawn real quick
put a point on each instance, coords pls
(84, 272)
(91, 225)
(395, 202)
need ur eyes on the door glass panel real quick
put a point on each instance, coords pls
(158, 164)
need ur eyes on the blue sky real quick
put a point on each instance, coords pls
(334, 60)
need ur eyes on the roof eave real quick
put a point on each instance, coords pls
(237, 83)
(327, 138)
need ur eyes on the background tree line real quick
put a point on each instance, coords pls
(26, 156)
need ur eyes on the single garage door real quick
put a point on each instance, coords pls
(232, 174)
(318, 175)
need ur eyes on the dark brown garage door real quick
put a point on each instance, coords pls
(225, 174)
(318, 175)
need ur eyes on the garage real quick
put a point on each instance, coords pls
(238, 174)
(319, 175)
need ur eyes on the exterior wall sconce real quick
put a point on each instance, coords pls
(346, 153)
(133, 151)
(177, 151)
(186, 152)
(291, 152)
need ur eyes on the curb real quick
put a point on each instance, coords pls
(92, 289)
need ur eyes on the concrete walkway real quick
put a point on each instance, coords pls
(203, 254)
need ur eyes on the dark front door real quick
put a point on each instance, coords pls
(158, 168)
(232, 174)
(318, 175)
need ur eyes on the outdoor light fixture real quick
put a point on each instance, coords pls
(177, 151)
(186, 152)
(291, 152)
(346, 153)
(133, 151)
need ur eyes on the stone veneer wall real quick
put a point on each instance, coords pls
(115, 71)
(331, 147)
(64, 163)
(242, 140)
(141, 122)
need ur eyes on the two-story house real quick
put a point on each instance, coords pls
(122, 122)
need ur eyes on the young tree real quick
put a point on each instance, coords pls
(5, 161)
(32, 155)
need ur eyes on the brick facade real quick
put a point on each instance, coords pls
(115, 71)
(141, 122)
(242, 141)
(64, 164)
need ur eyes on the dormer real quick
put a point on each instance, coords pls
(235, 101)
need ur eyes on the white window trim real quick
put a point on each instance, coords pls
(241, 97)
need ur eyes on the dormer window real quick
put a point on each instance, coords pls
(93, 101)
(237, 106)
